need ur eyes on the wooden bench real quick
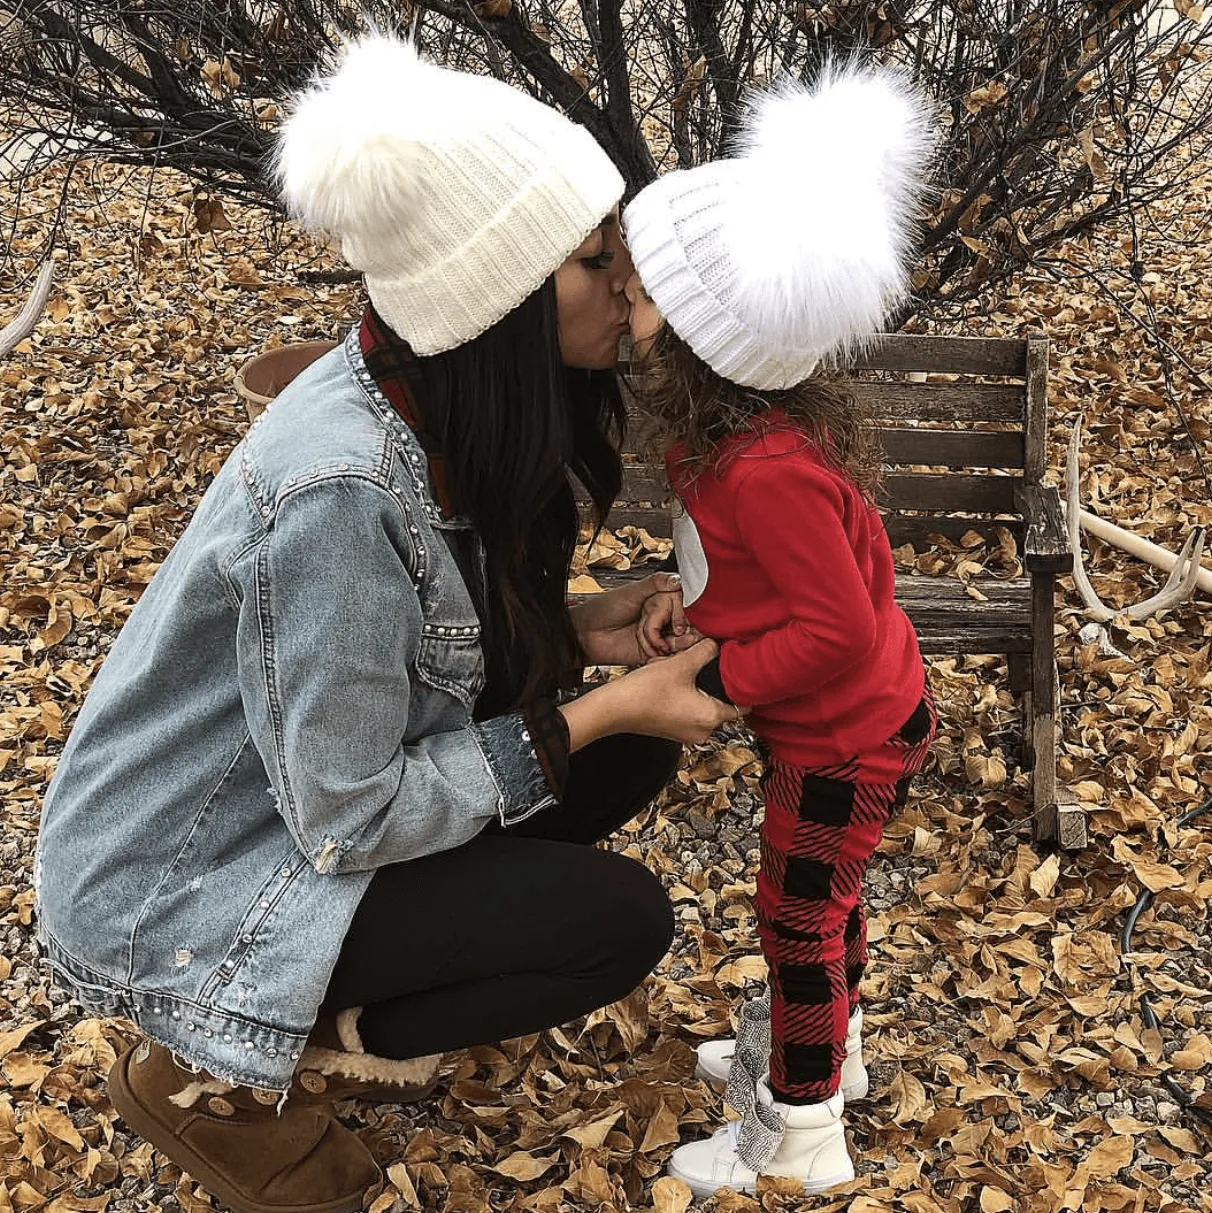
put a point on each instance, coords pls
(964, 427)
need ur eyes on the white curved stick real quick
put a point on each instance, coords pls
(18, 329)
(1095, 607)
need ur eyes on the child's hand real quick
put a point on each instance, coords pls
(662, 629)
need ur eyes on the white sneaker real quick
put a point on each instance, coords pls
(812, 1150)
(715, 1060)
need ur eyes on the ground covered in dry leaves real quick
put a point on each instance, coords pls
(1011, 1068)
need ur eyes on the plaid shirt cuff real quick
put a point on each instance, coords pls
(549, 735)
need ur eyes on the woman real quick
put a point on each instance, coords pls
(323, 814)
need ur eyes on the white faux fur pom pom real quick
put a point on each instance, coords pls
(834, 174)
(348, 155)
(851, 118)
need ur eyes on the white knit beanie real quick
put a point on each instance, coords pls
(456, 195)
(796, 248)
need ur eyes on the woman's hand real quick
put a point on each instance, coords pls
(658, 700)
(607, 624)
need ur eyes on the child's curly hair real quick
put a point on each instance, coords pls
(690, 405)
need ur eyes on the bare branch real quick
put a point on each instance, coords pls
(1060, 116)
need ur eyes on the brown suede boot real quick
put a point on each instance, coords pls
(336, 1066)
(253, 1155)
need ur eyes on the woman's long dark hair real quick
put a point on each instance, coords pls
(512, 421)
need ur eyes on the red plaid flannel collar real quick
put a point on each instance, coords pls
(397, 372)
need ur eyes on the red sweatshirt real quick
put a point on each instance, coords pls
(788, 566)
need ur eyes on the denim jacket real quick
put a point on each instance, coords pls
(287, 709)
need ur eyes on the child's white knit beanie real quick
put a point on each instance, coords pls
(794, 249)
(456, 195)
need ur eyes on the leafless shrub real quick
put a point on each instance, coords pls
(1059, 114)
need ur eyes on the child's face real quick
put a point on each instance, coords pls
(646, 319)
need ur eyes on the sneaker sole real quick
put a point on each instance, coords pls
(127, 1105)
(851, 1094)
(705, 1189)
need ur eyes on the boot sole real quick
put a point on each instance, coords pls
(851, 1094)
(705, 1189)
(127, 1105)
(396, 1095)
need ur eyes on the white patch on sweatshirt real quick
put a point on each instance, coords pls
(692, 560)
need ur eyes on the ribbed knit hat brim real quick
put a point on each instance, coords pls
(679, 217)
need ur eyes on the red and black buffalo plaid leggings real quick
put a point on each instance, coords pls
(822, 826)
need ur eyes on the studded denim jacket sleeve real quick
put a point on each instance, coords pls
(331, 638)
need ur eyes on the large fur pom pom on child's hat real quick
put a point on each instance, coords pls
(794, 249)
(456, 195)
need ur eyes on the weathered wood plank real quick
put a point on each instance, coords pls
(946, 618)
(1019, 671)
(954, 448)
(641, 484)
(654, 520)
(953, 492)
(900, 400)
(1063, 822)
(949, 620)
(1043, 706)
(644, 483)
(1046, 543)
(955, 403)
(917, 529)
(957, 355)
(1037, 407)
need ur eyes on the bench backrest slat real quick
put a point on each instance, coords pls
(953, 492)
(954, 403)
(954, 448)
(949, 355)
(918, 530)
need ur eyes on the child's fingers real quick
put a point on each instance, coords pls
(677, 616)
(687, 640)
(649, 647)
(647, 650)
(654, 622)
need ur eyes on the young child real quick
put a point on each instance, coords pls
(752, 274)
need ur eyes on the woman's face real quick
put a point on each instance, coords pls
(589, 295)
(646, 319)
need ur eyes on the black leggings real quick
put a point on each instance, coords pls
(518, 930)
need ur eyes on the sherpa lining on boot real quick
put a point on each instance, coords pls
(355, 1063)
(190, 1094)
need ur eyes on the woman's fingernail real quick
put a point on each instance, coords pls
(675, 578)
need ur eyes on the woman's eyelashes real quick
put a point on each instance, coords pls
(599, 262)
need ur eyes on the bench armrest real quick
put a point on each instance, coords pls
(1045, 541)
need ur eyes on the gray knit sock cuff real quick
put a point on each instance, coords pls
(761, 1127)
(751, 1058)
